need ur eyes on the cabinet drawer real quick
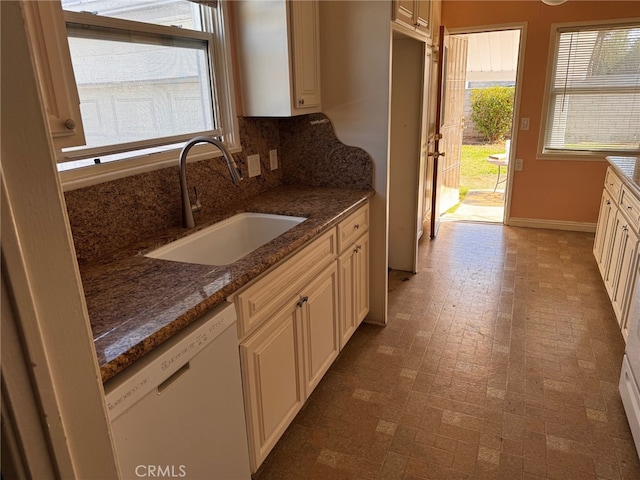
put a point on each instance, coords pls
(352, 227)
(269, 292)
(630, 207)
(613, 184)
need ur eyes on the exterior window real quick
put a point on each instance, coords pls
(594, 95)
(149, 76)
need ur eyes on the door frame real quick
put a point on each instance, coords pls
(522, 26)
(52, 396)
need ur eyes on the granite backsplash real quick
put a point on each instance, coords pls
(107, 217)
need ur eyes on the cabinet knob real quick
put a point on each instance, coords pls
(301, 101)
(70, 124)
(356, 226)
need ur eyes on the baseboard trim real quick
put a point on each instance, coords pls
(551, 224)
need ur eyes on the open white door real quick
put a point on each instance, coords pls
(452, 67)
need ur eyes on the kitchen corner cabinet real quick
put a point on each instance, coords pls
(279, 57)
(616, 243)
(48, 38)
(414, 14)
(293, 322)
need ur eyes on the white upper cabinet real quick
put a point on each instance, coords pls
(278, 56)
(48, 37)
(415, 14)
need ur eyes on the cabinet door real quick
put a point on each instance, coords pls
(623, 246)
(347, 282)
(404, 12)
(625, 274)
(362, 278)
(415, 14)
(632, 306)
(272, 364)
(319, 313)
(48, 37)
(306, 54)
(603, 230)
(423, 16)
(616, 244)
(353, 267)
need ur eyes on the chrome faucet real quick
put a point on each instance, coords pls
(187, 207)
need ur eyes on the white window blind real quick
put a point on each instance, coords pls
(594, 100)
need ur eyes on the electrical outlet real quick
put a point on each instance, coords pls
(524, 123)
(273, 159)
(519, 165)
(253, 162)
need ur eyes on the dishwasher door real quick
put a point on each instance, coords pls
(178, 412)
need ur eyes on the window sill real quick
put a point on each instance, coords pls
(95, 174)
(576, 157)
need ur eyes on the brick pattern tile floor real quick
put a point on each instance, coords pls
(500, 360)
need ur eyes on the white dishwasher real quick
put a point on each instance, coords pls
(178, 411)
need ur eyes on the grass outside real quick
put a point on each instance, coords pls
(476, 173)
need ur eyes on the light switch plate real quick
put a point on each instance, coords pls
(518, 165)
(524, 123)
(273, 159)
(253, 162)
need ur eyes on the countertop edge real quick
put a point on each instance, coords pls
(628, 169)
(241, 275)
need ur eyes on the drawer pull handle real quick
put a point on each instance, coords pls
(302, 301)
(356, 226)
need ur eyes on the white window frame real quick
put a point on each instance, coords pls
(134, 162)
(556, 29)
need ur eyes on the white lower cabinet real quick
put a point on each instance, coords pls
(271, 361)
(616, 243)
(624, 243)
(353, 267)
(284, 360)
(291, 328)
(604, 229)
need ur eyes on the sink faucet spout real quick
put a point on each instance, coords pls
(187, 207)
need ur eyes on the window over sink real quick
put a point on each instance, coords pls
(149, 75)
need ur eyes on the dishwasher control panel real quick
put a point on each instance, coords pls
(158, 368)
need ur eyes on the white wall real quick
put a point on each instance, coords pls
(355, 38)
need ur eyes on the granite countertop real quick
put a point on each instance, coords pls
(629, 168)
(135, 303)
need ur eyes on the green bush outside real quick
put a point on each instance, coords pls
(492, 111)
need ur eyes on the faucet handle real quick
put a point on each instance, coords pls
(195, 207)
